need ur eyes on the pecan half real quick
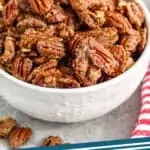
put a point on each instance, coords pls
(9, 50)
(41, 6)
(10, 12)
(21, 67)
(130, 42)
(107, 36)
(30, 23)
(142, 44)
(52, 141)
(19, 136)
(119, 21)
(84, 14)
(36, 76)
(121, 55)
(6, 125)
(86, 52)
(56, 15)
(135, 14)
(52, 48)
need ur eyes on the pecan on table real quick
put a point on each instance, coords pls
(52, 141)
(6, 126)
(10, 12)
(41, 6)
(19, 136)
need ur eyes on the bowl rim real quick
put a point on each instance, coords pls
(93, 87)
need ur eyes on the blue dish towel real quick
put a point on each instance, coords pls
(127, 144)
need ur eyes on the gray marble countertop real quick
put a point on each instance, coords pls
(117, 124)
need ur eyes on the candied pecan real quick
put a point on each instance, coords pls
(67, 82)
(6, 125)
(41, 6)
(102, 58)
(49, 31)
(38, 71)
(31, 22)
(84, 49)
(19, 136)
(52, 141)
(53, 48)
(9, 50)
(135, 14)
(107, 36)
(56, 15)
(130, 42)
(121, 55)
(119, 21)
(142, 44)
(21, 67)
(93, 74)
(29, 38)
(84, 14)
(65, 30)
(129, 63)
(10, 12)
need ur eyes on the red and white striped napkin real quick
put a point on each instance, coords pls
(142, 128)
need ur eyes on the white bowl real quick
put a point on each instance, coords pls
(74, 105)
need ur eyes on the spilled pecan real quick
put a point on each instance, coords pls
(52, 141)
(19, 136)
(6, 126)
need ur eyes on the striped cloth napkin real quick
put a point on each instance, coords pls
(142, 128)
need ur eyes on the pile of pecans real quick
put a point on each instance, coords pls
(18, 136)
(70, 43)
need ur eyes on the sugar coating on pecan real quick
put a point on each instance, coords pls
(130, 42)
(119, 21)
(53, 48)
(10, 12)
(22, 67)
(41, 6)
(9, 50)
(70, 43)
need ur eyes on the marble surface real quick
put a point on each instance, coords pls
(117, 124)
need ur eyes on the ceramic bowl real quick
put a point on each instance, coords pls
(75, 105)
